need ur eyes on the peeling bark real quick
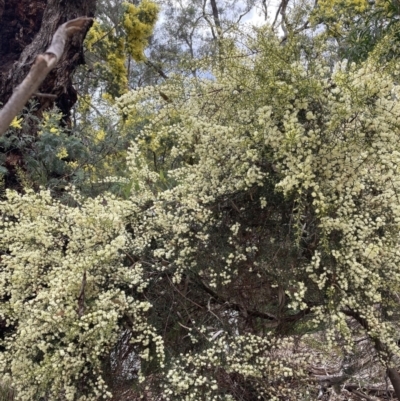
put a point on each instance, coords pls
(43, 64)
(26, 30)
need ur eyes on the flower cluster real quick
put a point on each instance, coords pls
(61, 273)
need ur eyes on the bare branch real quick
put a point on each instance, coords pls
(395, 380)
(242, 15)
(278, 11)
(43, 64)
(46, 95)
(265, 9)
(364, 396)
(157, 68)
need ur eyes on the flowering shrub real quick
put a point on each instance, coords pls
(62, 279)
(263, 206)
(113, 44)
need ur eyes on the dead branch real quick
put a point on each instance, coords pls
(364, 396)
(43, 64)
(45, 95)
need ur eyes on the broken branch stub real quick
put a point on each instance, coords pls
(43, 64)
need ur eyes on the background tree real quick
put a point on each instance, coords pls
(358, 27)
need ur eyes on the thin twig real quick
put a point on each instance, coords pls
(158, 69)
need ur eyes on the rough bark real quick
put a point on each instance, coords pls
(26, 30)
(43, 64)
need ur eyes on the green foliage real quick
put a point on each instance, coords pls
(91, 157)
(47, 159)
(360, 27)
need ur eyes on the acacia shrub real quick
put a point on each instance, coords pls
(262, 207)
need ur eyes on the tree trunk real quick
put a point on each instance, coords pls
(216, 16)
(26, 29)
